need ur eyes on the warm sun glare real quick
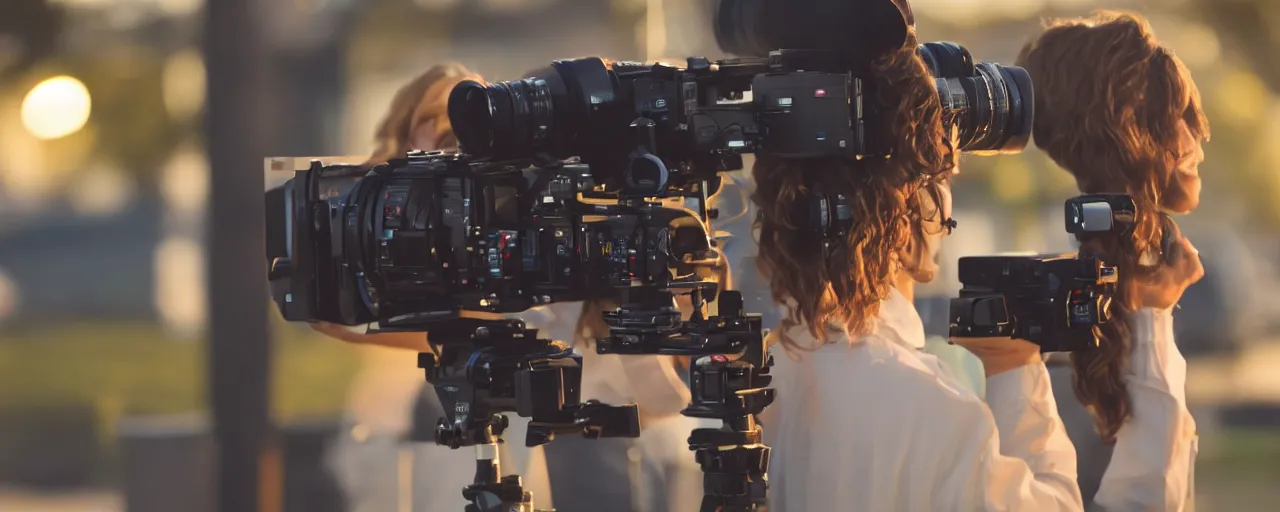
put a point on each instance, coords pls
(56, 108)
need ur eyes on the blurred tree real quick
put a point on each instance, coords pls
(31, 27)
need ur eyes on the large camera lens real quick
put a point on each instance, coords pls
(502, 119)
(992, 105)
(561, 111)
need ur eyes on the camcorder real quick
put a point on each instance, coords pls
(557, 195)
(1057, 302)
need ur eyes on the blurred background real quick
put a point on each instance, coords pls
(105, 184)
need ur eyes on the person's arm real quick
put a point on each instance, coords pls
(1020, 455)
(416, 341)
(1154, 452)
(1028, 462)
(658, 389)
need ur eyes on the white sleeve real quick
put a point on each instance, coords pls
(658, 389)
(1026, 461)
(1154, 453)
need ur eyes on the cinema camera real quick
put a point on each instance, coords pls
(1058, 302)
(413, 243)
(557, 197)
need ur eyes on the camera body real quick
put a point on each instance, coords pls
(1055, 301)
(648, 128)
(415, 241)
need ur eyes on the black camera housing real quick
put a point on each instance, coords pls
(1054, 301)
(415, 241)
(644, 128)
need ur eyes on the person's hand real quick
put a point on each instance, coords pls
(999, 355)
(416, 341)
(1180, 269)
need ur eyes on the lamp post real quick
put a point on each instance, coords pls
(238, 125)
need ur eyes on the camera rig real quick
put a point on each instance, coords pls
(416, 243)
(557, 200)
(1058, 302)
(486, 367)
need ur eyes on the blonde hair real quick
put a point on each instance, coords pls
(426, 98)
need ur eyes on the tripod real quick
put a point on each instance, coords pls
(734, 459)
(486, 367)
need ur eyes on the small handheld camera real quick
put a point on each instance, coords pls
(1055, 301)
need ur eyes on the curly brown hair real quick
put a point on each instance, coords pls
(423, 99)
(1110, 104)
(841, 286)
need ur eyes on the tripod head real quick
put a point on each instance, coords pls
(734, 459)
(487, 367)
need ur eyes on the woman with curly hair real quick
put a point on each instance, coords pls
(864, 420)
(1121, 113)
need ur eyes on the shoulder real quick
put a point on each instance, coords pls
(919, 371)
(894, 371)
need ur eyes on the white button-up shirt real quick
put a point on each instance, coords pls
(1154, 457)
(878, 425)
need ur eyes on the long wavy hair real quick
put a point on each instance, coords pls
(425, 98)
(841, 286)
(1109, 106)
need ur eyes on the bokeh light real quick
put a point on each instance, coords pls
(184, 183)
(183, 82)
(1241, 98)
(22, 164)
(56, 108)
(101, 191)
(180, 286)
(179, 8)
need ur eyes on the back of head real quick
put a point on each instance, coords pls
(839, 282)
(1110, 101)
(1110, 106)
(421, 100)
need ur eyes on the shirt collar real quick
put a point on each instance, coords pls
(899, 322)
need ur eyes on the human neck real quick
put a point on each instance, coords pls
(906, 286)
